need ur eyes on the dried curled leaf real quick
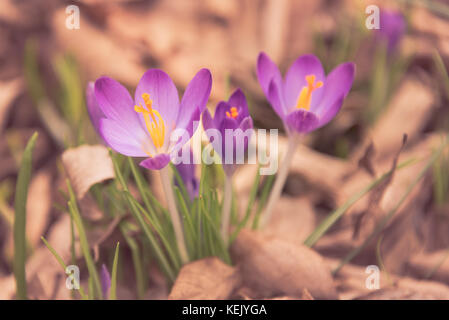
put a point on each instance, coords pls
(87, 165)
(205, 279)
(9, 91)
(410, 289)
(293, 220)
(274, 267)
(434, 265)
(408, 112)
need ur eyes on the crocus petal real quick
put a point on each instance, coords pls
(116, 102)
(330, 112)
(337, 85)
(267, 71)
(195, 97)
(227, 124)
(105, 280)
(220, 112)
(275, 98)
(162, 92)
(246, 124)
(189, 129)
(192, 124)
(392, 28)
(295, 79)
(93, 109)
(156, 163)
(120, 139)
(238, 100)
(302, 121)
(208, 121)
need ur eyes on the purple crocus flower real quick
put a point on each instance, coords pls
(392, 29)
(105, 280)
(306, 99)
(142, 127)
(187, 173)
(230, 115)
(93, 109)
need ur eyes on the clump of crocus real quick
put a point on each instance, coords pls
(391, 29)
(305, 100)
(143, 126)
(232, 124)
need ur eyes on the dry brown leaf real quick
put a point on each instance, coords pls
(244, 179)
(275, 27)
(351, 279)
(408, 112)
(8, 92)
(426, 22)
(43, 266)
(99, 236)
(223, 9)
(319, 169)
(274, 267)
(89, 208)
(12, 145)
(10, 12)
(205, 279)
(410, 289)
(87, 165)
(366, 161)
(39, 205)
(293, 220)
(104, 51)
(351, 284)
(432, 266)
(306, 295)
(397, 187)
(378, 192)
(286, 298)
(158, 288)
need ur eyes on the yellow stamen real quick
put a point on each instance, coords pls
(305, 96)
(153, 121)
(233, 114)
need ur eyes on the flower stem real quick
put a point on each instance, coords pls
(280, 181)
(174, 215)
(226, 210)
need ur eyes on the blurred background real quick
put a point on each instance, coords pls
(399, 88)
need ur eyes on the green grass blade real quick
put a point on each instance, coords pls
(334, 216)
(380, 226)
(189, 229)
(31, 71)
(442, 70)
(141, 185)
(113, 293)
(137, 260)
(263, 199)
(180, 184)
(168, 241)
(163, 262)
(63, 265)
(90, 289)
(74, 212)
(252, 199)
(20, 201)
